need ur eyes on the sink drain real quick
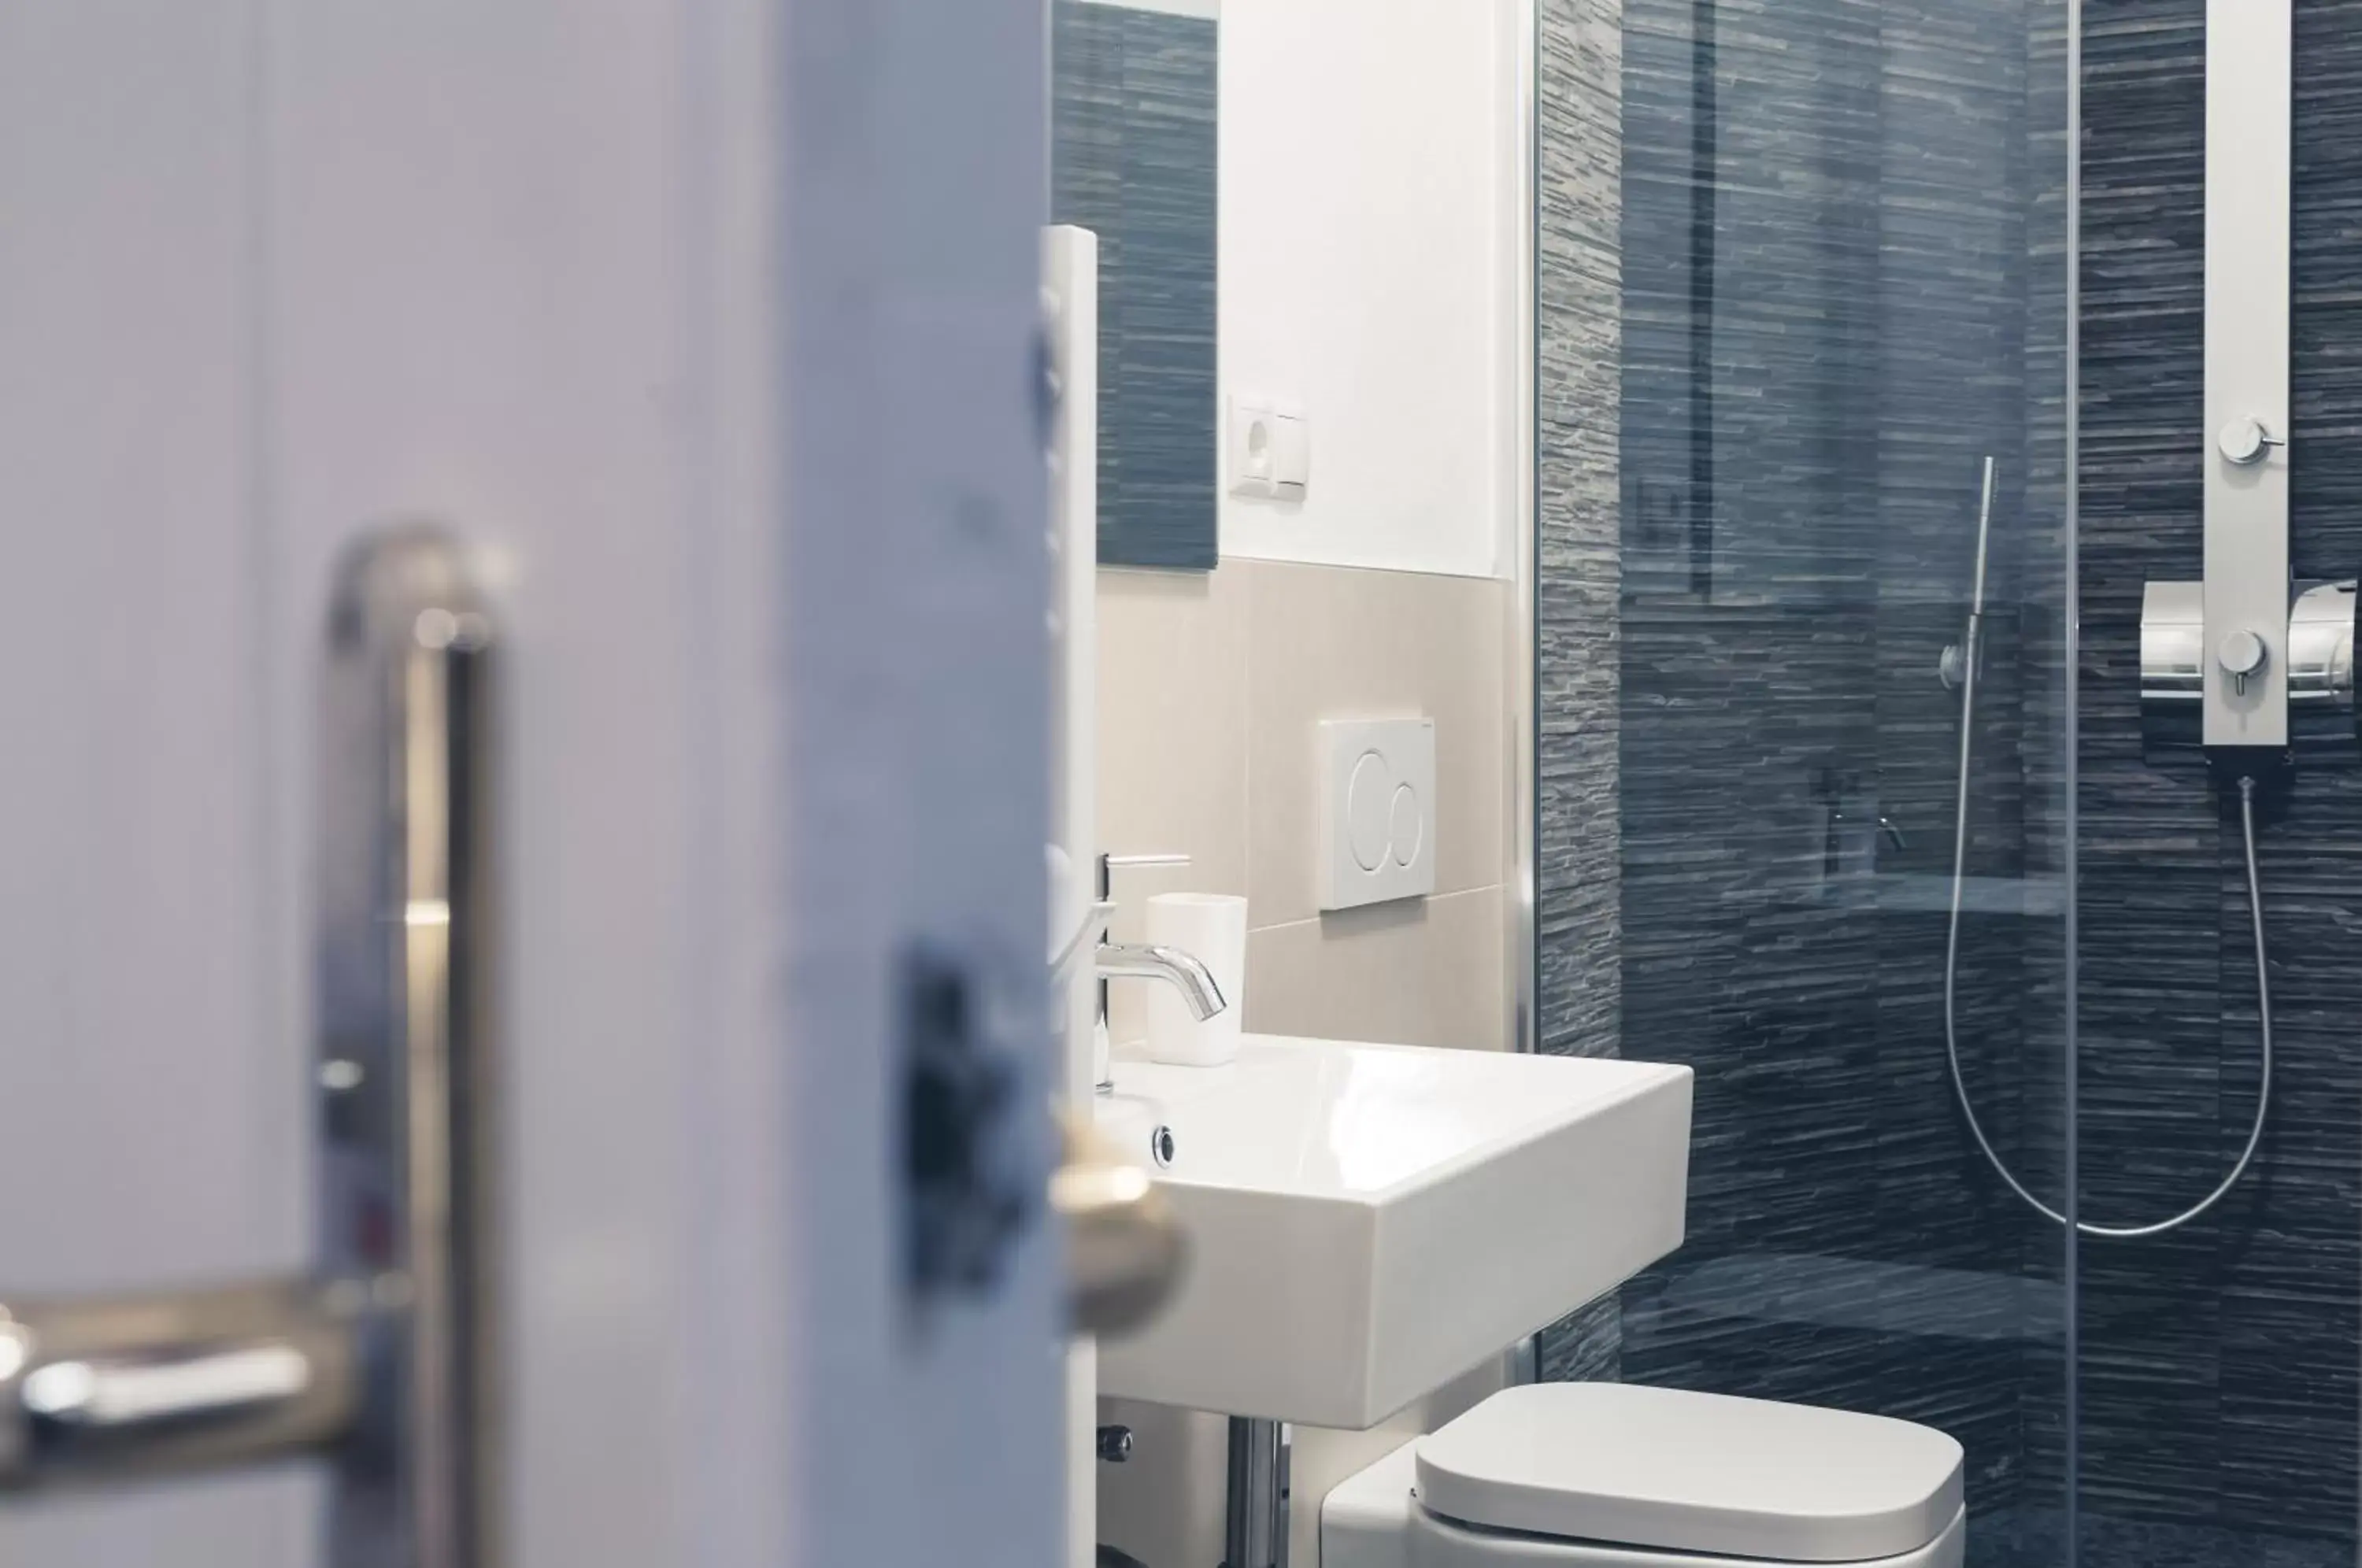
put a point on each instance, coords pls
(1160, 1147)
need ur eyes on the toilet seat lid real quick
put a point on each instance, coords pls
(1698, 1472)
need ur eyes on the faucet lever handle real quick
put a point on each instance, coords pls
(1110, 864)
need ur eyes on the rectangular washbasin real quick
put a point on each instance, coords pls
(1367, 1221)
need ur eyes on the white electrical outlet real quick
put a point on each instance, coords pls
(1291, 452)
(1253, 448)
(1268, 449)
(1377, 818)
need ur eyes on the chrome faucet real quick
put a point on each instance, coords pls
(1149, 961)
(1153, 961)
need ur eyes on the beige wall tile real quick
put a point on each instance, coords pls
(1416, 972)
(1209, 689)
(1172, 742)
(1338, 643)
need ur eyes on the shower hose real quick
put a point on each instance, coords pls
(1952, 964)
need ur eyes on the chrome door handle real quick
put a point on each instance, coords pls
(381, 1358)
(1125, 1249)
(95, 1389)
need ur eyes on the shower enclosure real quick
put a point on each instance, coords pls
(1870, 362)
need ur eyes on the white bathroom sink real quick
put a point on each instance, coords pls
(1366, 1222)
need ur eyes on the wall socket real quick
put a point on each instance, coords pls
(1269, 443)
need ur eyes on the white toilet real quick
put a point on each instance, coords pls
(1608, 1476)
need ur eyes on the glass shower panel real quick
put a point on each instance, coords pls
(1841, 344)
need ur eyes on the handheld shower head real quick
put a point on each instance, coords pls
(1984, 537)
(1953, 667)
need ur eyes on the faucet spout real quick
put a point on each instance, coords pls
(1153, 961)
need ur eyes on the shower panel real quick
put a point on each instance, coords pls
(2247, 648)
(2266, 662)
(2236, 668)
(2250, 84)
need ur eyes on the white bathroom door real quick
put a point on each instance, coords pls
(711, 327)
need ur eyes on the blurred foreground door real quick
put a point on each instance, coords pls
(707, 329)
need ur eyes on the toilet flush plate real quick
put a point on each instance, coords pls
(1378, 811)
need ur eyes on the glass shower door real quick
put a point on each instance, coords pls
(1839, 311)
(1865, 416)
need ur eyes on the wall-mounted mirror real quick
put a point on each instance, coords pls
(1132, 118)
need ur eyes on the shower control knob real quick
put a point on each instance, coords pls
(2246, 441)
(1952, 665)
(2242, 655)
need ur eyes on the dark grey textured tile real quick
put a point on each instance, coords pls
(1132, 158)
(2034, 1537)
(1579, 318)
